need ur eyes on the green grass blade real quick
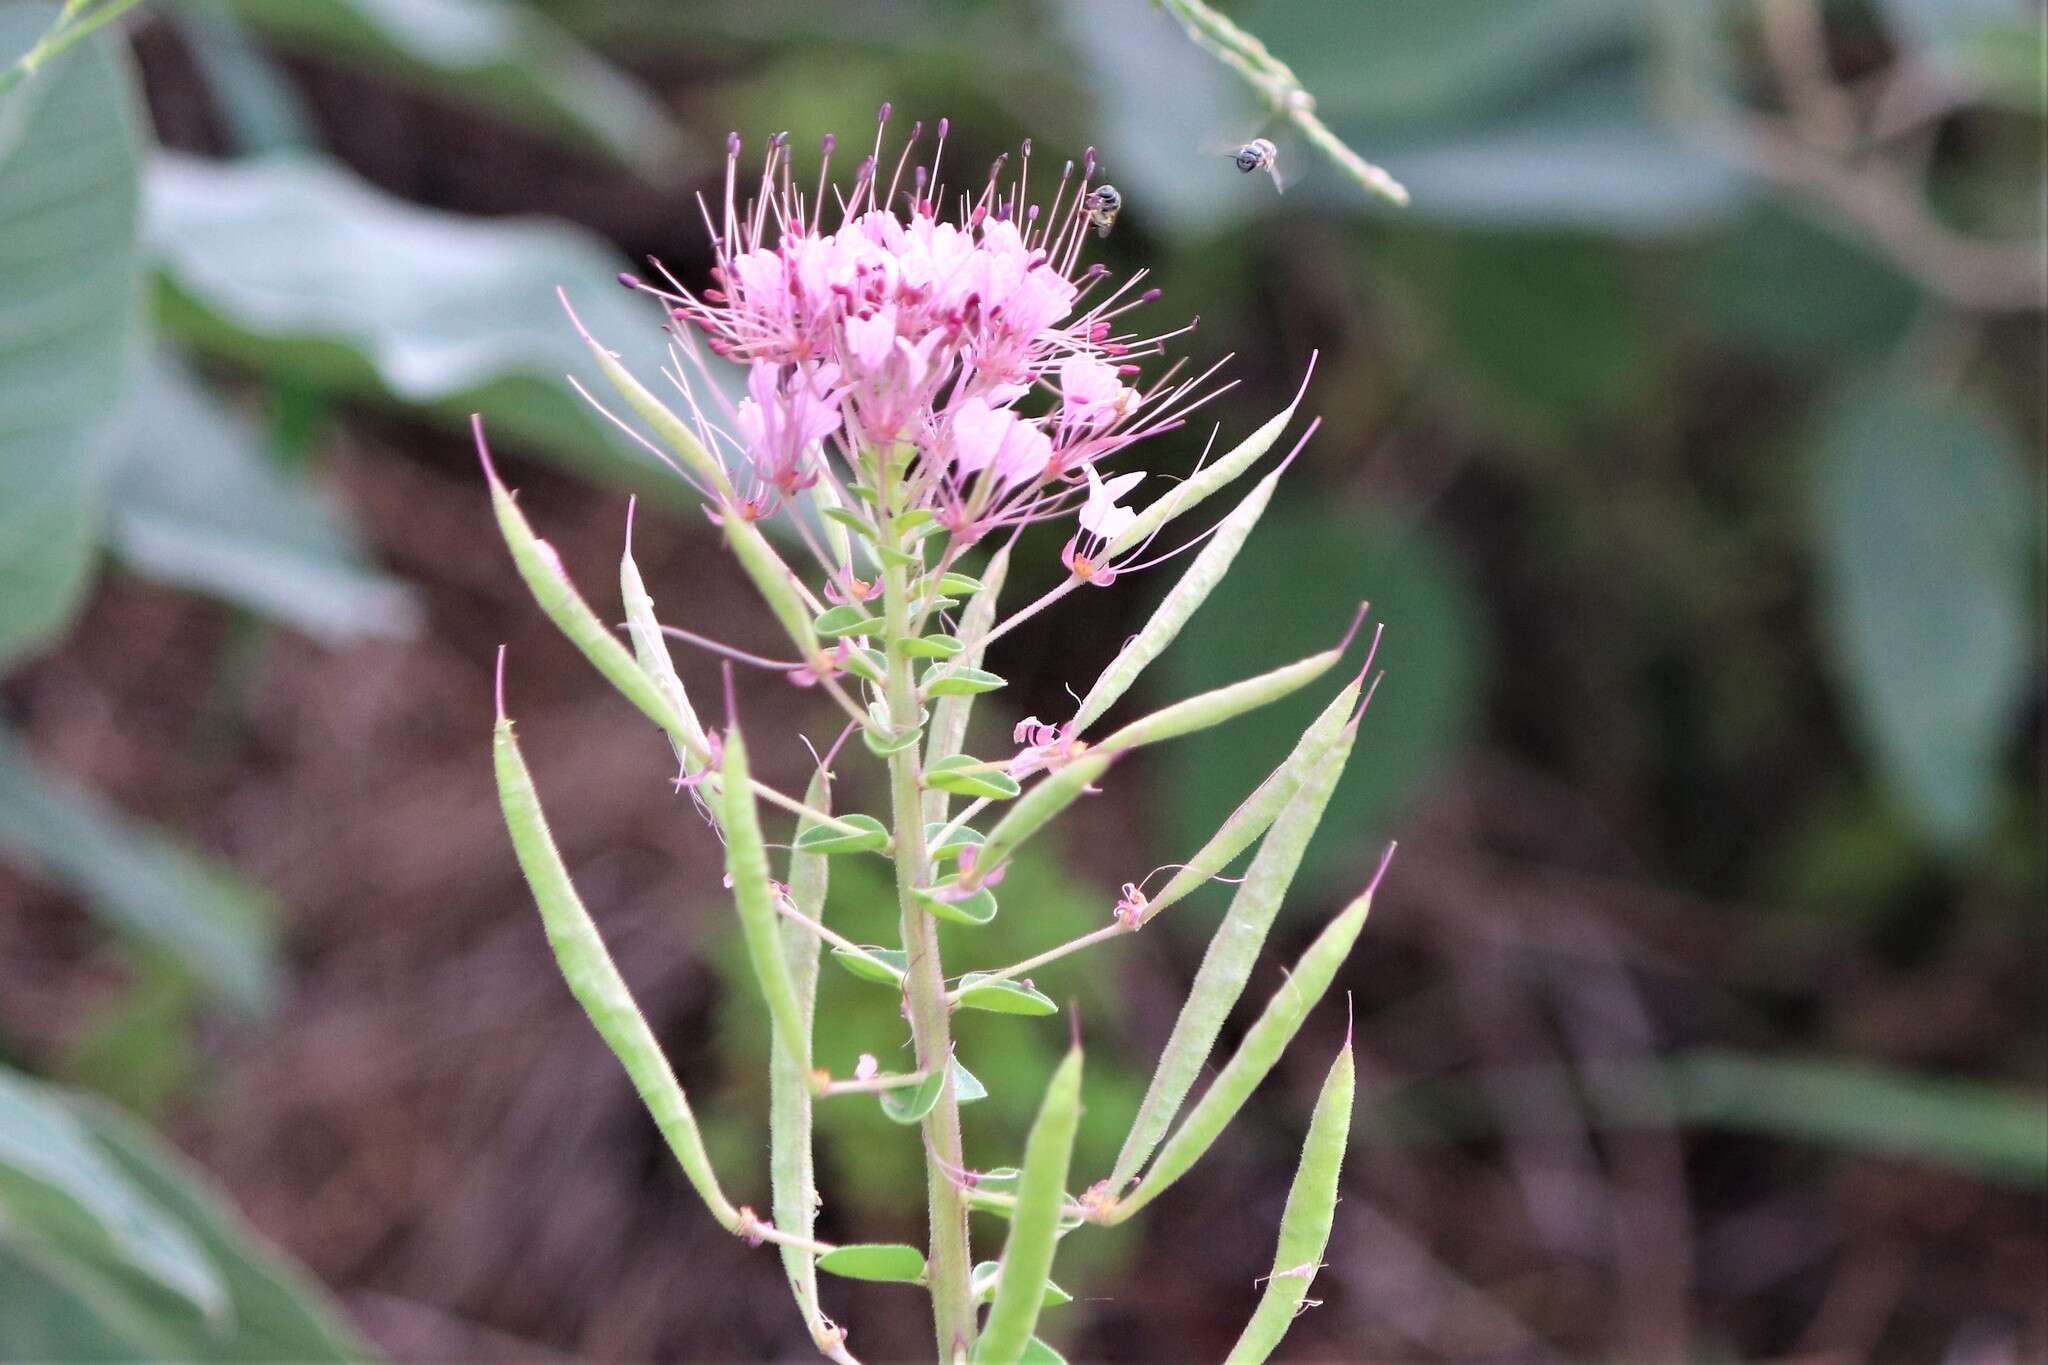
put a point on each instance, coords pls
(594, 979)
(1206, 480)
(792, 1168)
(1258, 811)
(746, 862)
(1255, 1056)
(1233, 953)
(1034, 1223)
(1305, 1224)
(1188, 594)
(1224, 703)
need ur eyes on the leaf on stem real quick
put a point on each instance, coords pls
(890, 1262)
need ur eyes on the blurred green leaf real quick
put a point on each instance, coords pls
(875, 1261)
(291, 265)
(503, 55)
(1991, 1129)
(68, 1298)
(201, 504)
(1309, 570)
(1434, 59)
(1801, 292)
(71, 145)
(1925, 551)
(1588, 151)
(1996, 45)
(59, 1189)
(202, 913)
(1552, 327)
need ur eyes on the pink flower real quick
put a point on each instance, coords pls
(981, 343)
(782, 422)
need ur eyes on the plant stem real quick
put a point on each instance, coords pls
(925, 991)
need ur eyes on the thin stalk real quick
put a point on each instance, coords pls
(951, 1265)
(1116, 929)
(874, 1086)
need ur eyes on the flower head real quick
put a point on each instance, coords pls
(977, 351)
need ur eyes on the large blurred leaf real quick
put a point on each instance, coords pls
(1996, 45)
(502, 54)
(1552, 327)
(1434, 59)
(1588, 150)
(201, 504)
(1294, 585)
(70, 1291)
(204, 915)
(1924, 536)
(58, 1188)
(1797, 290)
(292, 265)
(70, 315)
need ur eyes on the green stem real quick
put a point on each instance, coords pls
(951, 1266)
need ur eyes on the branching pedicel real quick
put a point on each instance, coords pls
(920, 388)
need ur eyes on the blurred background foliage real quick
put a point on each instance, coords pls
(1685, 433)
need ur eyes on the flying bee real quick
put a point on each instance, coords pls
(1102, 205)
(1259, 155)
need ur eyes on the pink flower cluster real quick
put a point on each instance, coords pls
(977, 358)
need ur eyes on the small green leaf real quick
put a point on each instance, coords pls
(887, 1261)
(959, 840)
(959, 584)
(847, 619)
(984, 1283)
(910, 1103)
(898, 558)
(850, 519)
(882, 743)
(828, 839)
(883, 966)
(960, 681)
(1000, 996)
(967, 1087)
(1036, 1352)
(930, 647)
(965, 776)
(866, 664)
(976, 907)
